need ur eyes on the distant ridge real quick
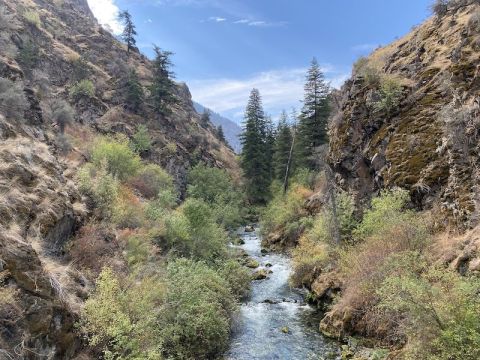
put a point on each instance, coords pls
(230, 128)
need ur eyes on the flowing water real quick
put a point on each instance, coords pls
(282, 328)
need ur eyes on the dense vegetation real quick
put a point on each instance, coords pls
(175, 296)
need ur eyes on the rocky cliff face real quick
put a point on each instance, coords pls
(410, 117)
(40, 206)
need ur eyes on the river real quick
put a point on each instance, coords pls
(284, 327)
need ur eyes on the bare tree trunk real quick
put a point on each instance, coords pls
(289, 162)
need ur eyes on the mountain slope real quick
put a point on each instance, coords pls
(231, 129)
(41, 207)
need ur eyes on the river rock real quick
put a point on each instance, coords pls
(285, 330)
(252, 264)
(268, 265)
(249, 228)
(259, 274)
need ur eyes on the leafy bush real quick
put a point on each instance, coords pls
(237, 277)
(62, 114)
(28, 56)
(80, 69)
(121, 317)
(215, 187)
(83, 89)
(138, 249)
(141, 141)
(33, 18)
(13, 102)
(316, 247)
(305, 177)
(440, 310)
(390, 95)
(196, 321)
(128, 211)
(101, 186)
(285, 210)
(192, 232)
(151, 180)
(370, 73)
(122, 162)
(440, 7)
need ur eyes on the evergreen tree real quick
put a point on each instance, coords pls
(312, 129)
(134, 94)
(205, 118)
(270, 147)
(220, 134)
(129, 32)
(254, 145)
(162, 89)
(283, 143)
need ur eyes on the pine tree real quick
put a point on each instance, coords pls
(253, 159)
(312, 129)
(129, 32)
(283, 143)
(220, 134)
(162, 89)
(270, 147)
(133, 91)
(205, 118)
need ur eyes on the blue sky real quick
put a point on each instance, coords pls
(224, 48)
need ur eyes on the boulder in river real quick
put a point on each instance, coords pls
(259, 274)
(249, 228)
(252, 264)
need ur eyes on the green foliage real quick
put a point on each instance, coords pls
(100, 185)
(162, 89)
(151, 180)
(237, 277)
(220, 134)
(83, 89)
(28, 56)
(13, 102)
(129, 32)
(215, 187)
(138, 250)
(62, 114)
(205, 118)
(33, 18)
(122, 318)
(255, 160)
(439, 307)
(196, 321)
(282, 147)
(386, 210)
(391, 94)
(122, 162)
(80, 69)
(285, 210)
(128, 211)
(305, 177)
(192, 232)
(362, 67)
(312, 128)
(141, 141)
(133, 92)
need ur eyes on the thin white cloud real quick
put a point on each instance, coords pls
(280, 89)
(364, 47)
(217, 19)
(106, 12)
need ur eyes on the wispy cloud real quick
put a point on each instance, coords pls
(106, 12)
(364, 47)
(279, 88)
(217, 19)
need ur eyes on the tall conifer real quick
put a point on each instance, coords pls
(129, 32)
(283, 144)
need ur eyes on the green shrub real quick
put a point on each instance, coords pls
(285, 210)
(391, 94)
(369, 72)
(128, 211)
(121, 317)
(122, 162)
(28, 56)
(215, 187)
(440, 310)
(196, 320)
(141, 141)
(151, 180)
(304, 177)
(13, 102)
(83, 89)
(237, 277)
(138, 249)
(33, 18)
(62, 114)
(193, 232)
(101, 186)
(80, 69)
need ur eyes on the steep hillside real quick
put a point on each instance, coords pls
(409, 117)
(231, 129)
(44, 44)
